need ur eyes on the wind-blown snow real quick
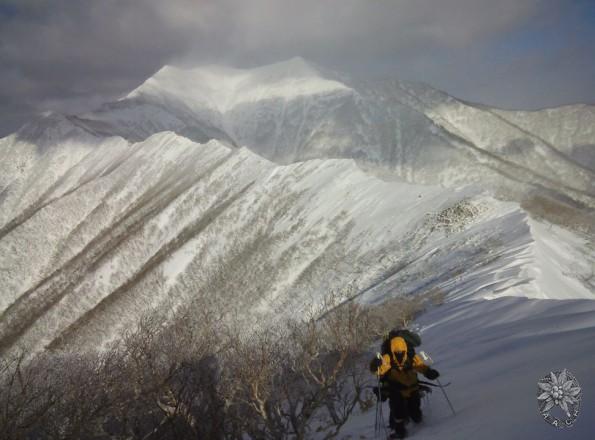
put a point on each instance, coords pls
(222, 88)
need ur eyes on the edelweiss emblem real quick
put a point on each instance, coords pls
(559, 389)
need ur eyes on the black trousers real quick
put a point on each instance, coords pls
(402, 408)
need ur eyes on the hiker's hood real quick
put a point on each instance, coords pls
(398, 348)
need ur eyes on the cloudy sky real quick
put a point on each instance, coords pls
(65, 55)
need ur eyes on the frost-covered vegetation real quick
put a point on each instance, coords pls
(194, 377)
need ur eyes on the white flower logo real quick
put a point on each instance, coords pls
(559, 390)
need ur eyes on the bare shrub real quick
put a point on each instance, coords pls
(26, 396)
(302, 377)
(395, 312)
(171, 372)
(158, 381)
(183, 376)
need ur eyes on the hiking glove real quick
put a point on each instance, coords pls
(432, 374)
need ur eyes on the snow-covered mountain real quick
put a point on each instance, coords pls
(295, 111)
(256, 191)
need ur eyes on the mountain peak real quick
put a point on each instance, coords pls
(222, 88)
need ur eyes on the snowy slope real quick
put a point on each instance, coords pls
(494, 352)
(96, 231)
(255, 191)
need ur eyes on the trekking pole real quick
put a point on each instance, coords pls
(378, 397)
(446, 397)
(379, 414)
(376, 419)
(426, 357)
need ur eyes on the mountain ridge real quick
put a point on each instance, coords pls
(411, 130)
(98, 228)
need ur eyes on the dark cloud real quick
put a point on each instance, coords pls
(69, 55)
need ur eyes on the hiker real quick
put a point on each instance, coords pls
(397, 368)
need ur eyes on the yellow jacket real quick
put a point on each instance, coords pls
(399, 371)
(404, 379)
